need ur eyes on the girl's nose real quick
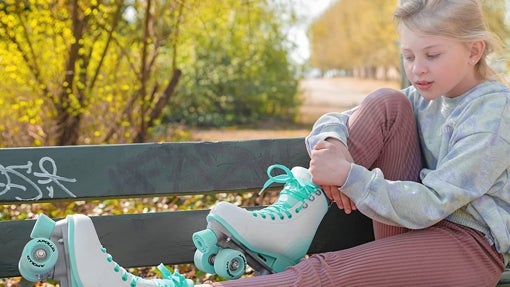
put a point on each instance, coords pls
(419, 67)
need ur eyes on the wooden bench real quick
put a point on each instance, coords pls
(78, 173)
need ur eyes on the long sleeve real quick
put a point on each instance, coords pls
(330, 125)
(459, 179)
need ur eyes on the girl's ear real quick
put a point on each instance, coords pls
(477, 50)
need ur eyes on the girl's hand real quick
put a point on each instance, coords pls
(342, 201)
(329, 166)
(330, 163)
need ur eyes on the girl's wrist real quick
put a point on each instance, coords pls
(345, 168)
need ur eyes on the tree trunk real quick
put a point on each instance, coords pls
(157, 109)
(68, 120)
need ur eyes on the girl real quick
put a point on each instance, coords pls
(428, 164)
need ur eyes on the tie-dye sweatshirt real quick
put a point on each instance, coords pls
(465, 144)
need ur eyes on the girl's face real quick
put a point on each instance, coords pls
(438, 66)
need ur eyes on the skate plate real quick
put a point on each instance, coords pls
(219, 252)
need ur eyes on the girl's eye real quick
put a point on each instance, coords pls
(432, 56)
(408, 58)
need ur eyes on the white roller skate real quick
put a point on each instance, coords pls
(268, 240)
(69, 251)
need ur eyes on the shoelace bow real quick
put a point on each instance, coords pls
(292, 187)
(177, 279)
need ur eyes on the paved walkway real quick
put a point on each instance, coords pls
(335, 94)
(319, 96)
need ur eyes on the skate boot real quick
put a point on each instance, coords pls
(269, 239)
(69, 251)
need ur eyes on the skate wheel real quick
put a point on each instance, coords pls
(230, 263)
(204, 261)
(205, 241)
(39, 256)
(43, 227)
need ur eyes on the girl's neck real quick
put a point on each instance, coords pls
(469, 82)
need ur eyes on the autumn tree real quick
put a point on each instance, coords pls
(241, 73)
(355, 35)
(71, 57)
(97, 71)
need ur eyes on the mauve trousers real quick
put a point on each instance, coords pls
(382, 133)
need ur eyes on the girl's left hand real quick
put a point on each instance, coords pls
(342, 201)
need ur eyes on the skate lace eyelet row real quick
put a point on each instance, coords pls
(176, 278)
(293, 188)
(116, 267)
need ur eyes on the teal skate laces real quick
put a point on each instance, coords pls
(294, 194)
(177, 280)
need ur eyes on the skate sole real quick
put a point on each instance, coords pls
(261, 261)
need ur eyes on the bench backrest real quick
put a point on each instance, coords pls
(75, 173)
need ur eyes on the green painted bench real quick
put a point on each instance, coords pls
(78, 173)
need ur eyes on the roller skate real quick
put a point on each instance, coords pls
(269, 239)
(69, 251)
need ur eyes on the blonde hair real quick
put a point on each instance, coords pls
(456, 19)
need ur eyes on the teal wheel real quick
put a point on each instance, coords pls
(39, 256)
(43, 227)
(230, 263)
(205, 241)
(204, 261)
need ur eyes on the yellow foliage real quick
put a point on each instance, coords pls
(355, 33)
(106, 76)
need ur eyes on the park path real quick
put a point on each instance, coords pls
(320, 96)
(335, 94)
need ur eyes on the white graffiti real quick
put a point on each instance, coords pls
(20, 178)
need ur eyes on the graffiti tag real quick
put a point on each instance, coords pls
(28, 182)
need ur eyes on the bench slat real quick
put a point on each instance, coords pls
(135, 170)
(136, 240)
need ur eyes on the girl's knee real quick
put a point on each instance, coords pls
(388, 102)
(386, 95)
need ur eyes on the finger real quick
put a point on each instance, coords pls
(353, 205)
(338, 199)
(346, 202)
(327, 191)
(343, 201)
(350, 202)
